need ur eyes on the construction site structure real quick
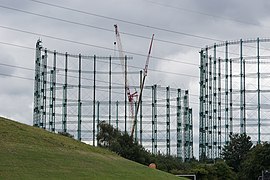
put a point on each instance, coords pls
(234, 93)
(142, 86)
(128, 93)
(74, 93)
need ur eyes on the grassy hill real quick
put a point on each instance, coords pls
(31, 153)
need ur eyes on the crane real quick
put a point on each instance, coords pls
(121, 55)
(141, 86)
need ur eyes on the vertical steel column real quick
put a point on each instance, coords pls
(94, 103)
(51, 102)
(202, 107)
(241, 89)
(44, 89)
(98, 120)
(79, 100)
(154, 119)
(226, 95)
(117, 104)
(36, 114)
(54, 90)
(205, 108)
(215, 104)
(155, 124)
(64, 115)
(244, 94)
(125, 94)
(190, 133)
(168, 122)
(210, 128)
(219, 107)
(179, 125)
(110, 89)
(136, 127)
(45, 85)
(186, 128)
(42, 111)
(206, 104)
(141, 112)
(259, 91)
(231, 102)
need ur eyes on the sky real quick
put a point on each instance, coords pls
(181, 28)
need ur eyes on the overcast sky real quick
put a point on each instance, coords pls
(181, 28)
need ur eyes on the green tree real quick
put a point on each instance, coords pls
(218, 171)
(257, 160)
(223, 171)
(122, 144)
(107, 134)
(235, 152)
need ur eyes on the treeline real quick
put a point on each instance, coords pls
(247, 160)
(123, 144)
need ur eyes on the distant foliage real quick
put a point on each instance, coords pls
(248, 162)
(66, 134)
(123, 144)
(240, 160)
(256, 161)
(236, 151)
(107, 136)
(218, 170)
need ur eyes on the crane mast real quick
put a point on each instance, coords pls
(141, 86)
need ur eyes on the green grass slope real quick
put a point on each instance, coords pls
(31, 153)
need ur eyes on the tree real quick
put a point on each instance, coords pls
(235, 152)
(257, 160)
(223, 171)
(220, 170)
(107, 134)
(122, 144)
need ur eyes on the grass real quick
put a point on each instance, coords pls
(27, 152)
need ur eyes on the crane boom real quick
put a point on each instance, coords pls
(141, 86)
(122, 56)
(120, 47)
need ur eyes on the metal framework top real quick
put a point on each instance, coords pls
(85, 56)
(82, 56)
(233, 42)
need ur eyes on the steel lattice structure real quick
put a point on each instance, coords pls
(234, 93)
(73, 93)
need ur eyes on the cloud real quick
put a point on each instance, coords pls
(17, 107)
(5, 69)
(188, 27)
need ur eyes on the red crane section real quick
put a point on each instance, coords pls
(122, 58)
(141, 86)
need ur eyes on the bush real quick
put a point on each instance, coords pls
(123, 144)
(257, 160)
(236, 150)
(66, 134)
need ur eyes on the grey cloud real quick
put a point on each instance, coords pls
(20, 92)
(5, 69)
(245, 11)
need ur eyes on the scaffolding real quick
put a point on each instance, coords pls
(73, 93)
(234, 93)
